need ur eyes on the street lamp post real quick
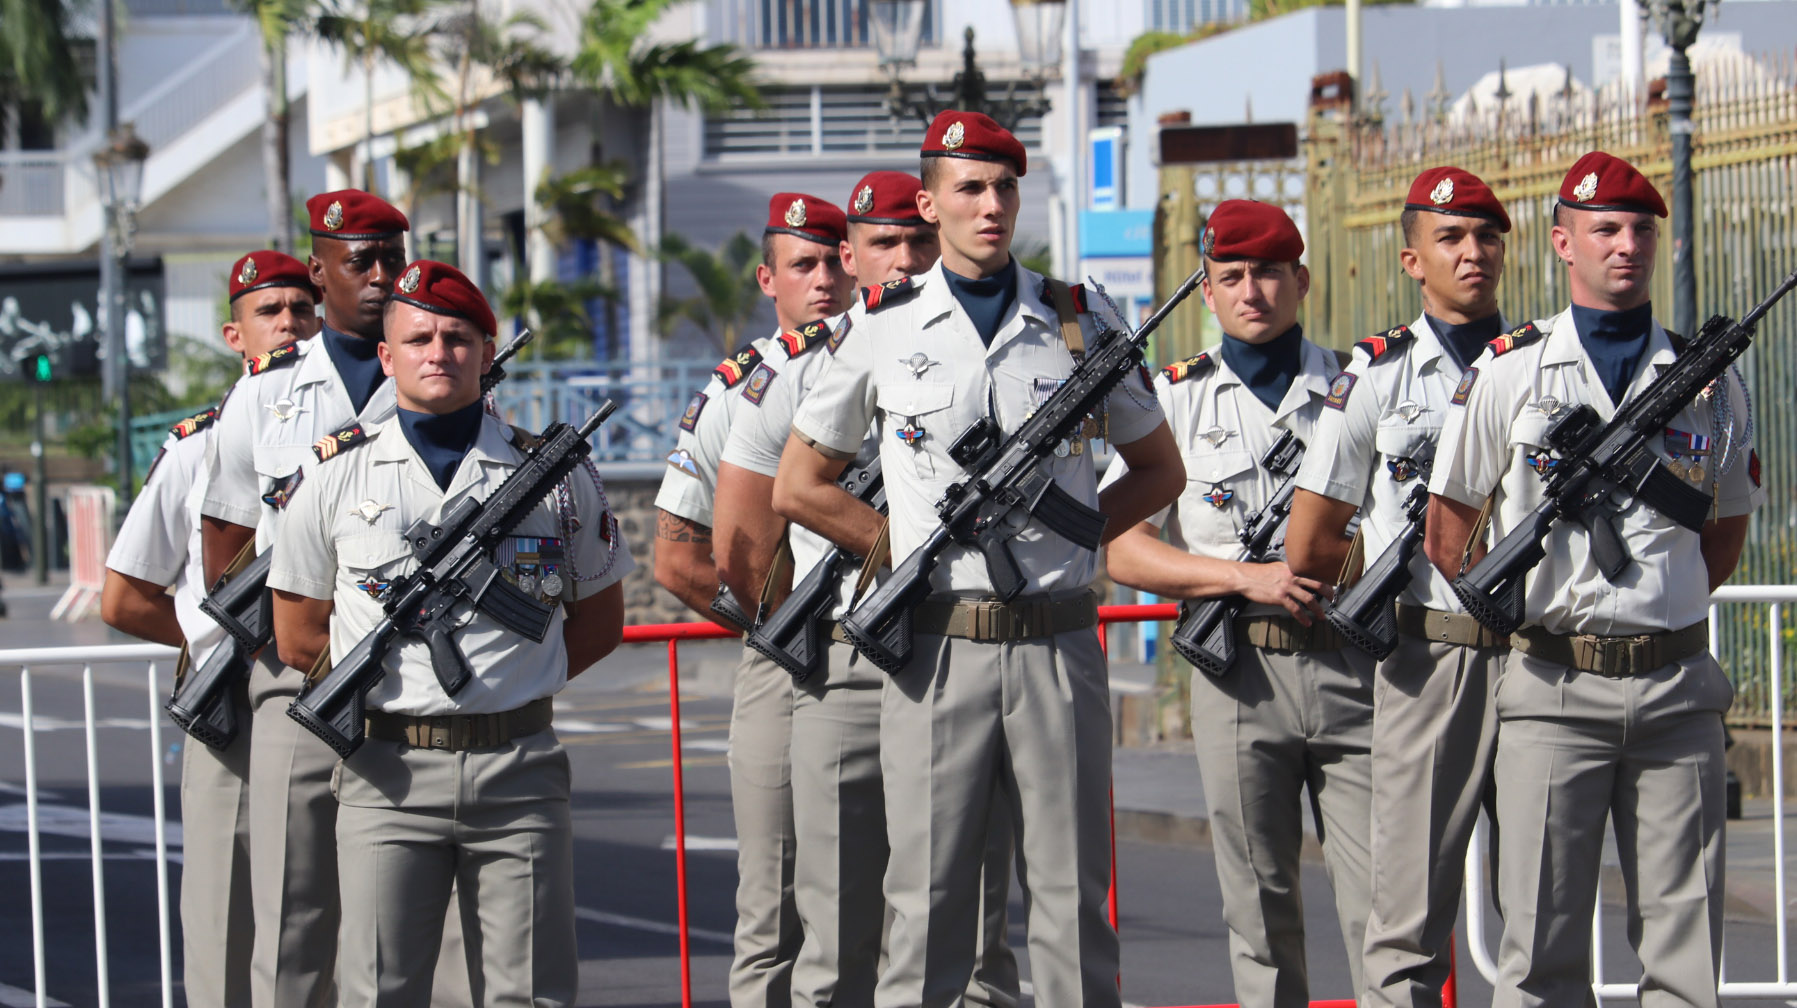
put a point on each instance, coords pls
(1679, 22)
(898, 33)
(119, 167)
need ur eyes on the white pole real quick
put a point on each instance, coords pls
(538, 123)
(1630, 28)
(1076, 138)
(1353, 16)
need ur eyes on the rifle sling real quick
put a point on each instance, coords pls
(779, 578)
(876, 558)
(1478, 531)
(1067, 313)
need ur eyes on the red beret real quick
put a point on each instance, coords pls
(886, 197)
(1600, 181)
(973, 135)
(269, 268)
(1250, 229)
(353, 215)
(806, 217)
(441, 288)
(1456, 191)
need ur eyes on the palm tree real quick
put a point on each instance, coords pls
(276, 20)
(578, 206)
(368, 31)
(728, 296)
(39, 65)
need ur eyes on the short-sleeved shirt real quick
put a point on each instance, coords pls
(1376, 442)
(690, 485)
(263, 445)
(1223, 430)
(917, 361)
(1509, 402)
(344, 538)
(160, 539)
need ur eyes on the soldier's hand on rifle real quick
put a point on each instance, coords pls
(1275, 584)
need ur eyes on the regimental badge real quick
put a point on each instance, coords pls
(1216, 436)
(247, 275)
(1218, 497)
(954, 136)
(864, 200)
(694, 407)
(758, 384)
(918, 363)
(1339, 389)
(682, 460)
(1542, 462)
(409, 283)
(1443, 193)
(1409, 410)
(911, 434)
(1401, 468)
(795, 214)
(834, 343)
(333, 216)
(283, 489)
(369, 510)
(1586, 188)
(1465, 387)
(284, 409)
(1208, 243)
(373, 585)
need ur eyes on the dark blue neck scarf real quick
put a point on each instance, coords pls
(987, 299)
(356, 363)
(1614, 340)
(1267, 368)
(1465, 341)
(442, 439)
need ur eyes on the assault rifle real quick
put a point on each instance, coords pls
(1205, 635)
(1006, 488)
(790, 637)
(455, 565)
(241, 604)
(729, 612)
(1598, 460)
(1364, 614)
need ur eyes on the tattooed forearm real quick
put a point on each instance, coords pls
(674, 528)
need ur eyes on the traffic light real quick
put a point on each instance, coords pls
(41, 369)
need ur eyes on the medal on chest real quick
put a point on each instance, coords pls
(1218, 497)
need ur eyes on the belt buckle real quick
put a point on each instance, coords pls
(441, 732)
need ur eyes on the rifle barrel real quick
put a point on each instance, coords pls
(1185, 290)
(1752, 318)
(511, 349)
(605, 409)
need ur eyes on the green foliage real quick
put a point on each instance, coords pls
(615, 59)
(728, 296)
(39, 62)
(1037, 256)
(580, 206)
(558, 315)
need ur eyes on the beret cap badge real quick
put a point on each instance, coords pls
(333, 217)
(864, 200)
(955, 136)
(247, 275)
(1586, 188)
(795, 214)
(1443, 193)
(409, 283)
(1208, 243)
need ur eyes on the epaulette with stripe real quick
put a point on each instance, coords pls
(1077, 291)
(737, 366)
(797, 341)
(194, 424)
(1191, 367)
(1377, 346)
(337, 442)
(280, 356)
(889, 293)
(1521, 336)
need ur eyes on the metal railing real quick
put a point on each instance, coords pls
(31, 183)
(803, 24)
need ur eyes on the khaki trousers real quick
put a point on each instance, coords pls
(217, 926)
(1645, 753)
(839, 812)
(767, 923)
(489, 826)
(1434, 735)
(1278, 724)
(1024, 724)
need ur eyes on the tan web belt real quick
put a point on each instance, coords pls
(1445, 627)
(457, 732)
(1283, 633)
(1023, 619)
(1613, 657)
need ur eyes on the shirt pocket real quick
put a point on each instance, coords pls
(276, 466)
(917, 412)
(373, 560)
(1528, 442)
(1219, 497)
(1404, 450)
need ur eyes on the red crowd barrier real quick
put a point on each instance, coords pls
(674, 633)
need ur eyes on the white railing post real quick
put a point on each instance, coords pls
(160, 815)
(1775, 702)
(102, 977)
(32, 845)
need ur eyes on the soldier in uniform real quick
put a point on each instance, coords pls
(261, 452)
(273, 303)
(470, 790)
(801, 271)
(838, 802)
(1609, 705)
(1295, 711)
(1000, 702)
(1433, 730)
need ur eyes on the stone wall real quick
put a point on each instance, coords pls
(632, 497)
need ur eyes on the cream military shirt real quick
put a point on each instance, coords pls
(265, 433)
(345, 535)
(690, 485)
(916, 361)
(1377, 445)
(1509, 402)
(1223, 430)
(160, 539)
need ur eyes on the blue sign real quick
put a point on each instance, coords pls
(1107, 168)
(1116, 233)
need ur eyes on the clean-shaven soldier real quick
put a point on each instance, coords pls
(261, 452)
(838, 802)
(1000, 702)
(1635, 739)
(801, 271)
(272, 303)
(1433, 728)
(469, 792)
(1295, 712)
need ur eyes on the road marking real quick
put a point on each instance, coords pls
(19, 997)
(709, 745)
(571, 726)
(70, 821)
(140, 854)
(702, 843)
(44, 723)
(651, 926)
(663, 724)
(667, 764)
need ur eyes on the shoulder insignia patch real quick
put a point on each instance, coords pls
(694, 407)
(336, 442)
(1078, 291)
(194, 424)
(1191, 367)
(835, 341)
(797, 341)
(889, 293)
(280, 356)
(1465, 387)
(1378, 346)
(759, 382)
(1521, 336)
(1339, 389)
(737, 366)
